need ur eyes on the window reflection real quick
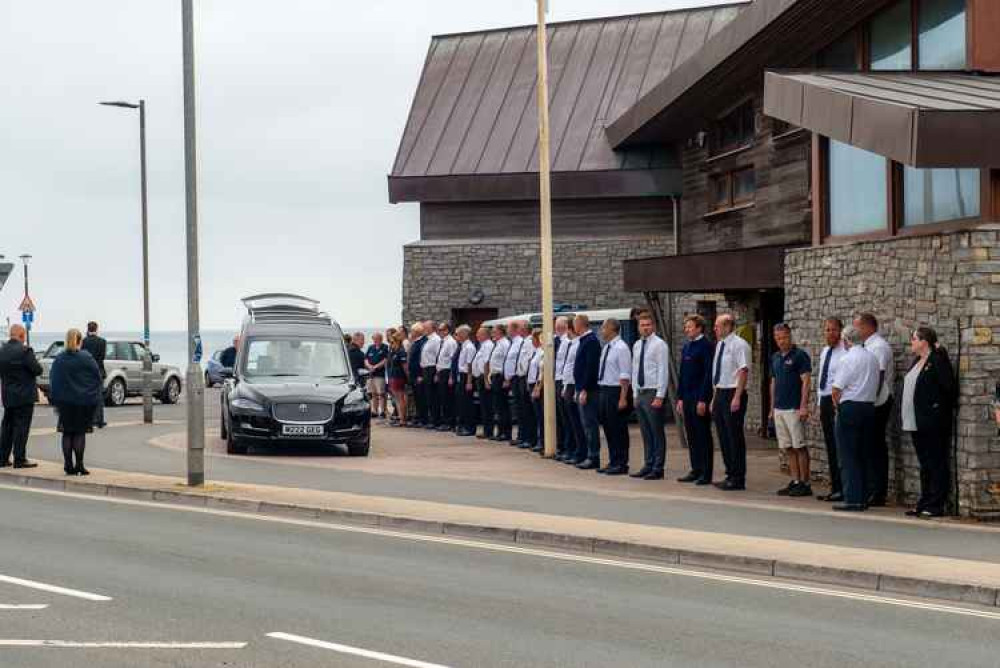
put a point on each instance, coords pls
(938, 195)
(858, 196)
(842, 54)
(891, 38)
(942, 35)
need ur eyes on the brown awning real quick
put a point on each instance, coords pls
(919, 119)
(723, 271)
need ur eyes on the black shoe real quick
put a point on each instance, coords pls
(616, 470)
(525, 445)
(4, 465)
(498, 439)
(787, 491)
(588, 465)
(444, 427)
(25, 465)
(690, 477)
(876, 502)
(850, 507)
(912, 513)
(540, 449)
(802, 489)
(653, 475)
(572, 461)
(732, 486)
(69, 471)
(483, 437)
(641, 473)
(101, 425)
(929, 514)
(702, 482)
(833, 497)
(82, 471)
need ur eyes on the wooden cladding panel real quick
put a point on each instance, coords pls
(984, 27)
(600, 218)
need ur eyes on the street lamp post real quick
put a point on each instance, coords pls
(195, 380)
(24, 260)
(147, 358)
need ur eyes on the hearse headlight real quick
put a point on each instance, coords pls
(355, 403)
(247, 405)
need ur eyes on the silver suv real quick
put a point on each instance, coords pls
(123, 364)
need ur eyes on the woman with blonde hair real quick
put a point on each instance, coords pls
(397, 377)
(76, 390)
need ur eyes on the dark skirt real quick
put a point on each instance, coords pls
(76, 419)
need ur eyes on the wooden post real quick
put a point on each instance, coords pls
(545, 202)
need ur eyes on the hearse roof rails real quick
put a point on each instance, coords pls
(279, 307)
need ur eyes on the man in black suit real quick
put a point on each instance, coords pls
(98, 349)
(19, 369)
(585, 374)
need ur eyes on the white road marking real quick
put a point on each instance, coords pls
(23, 606)
(534, 552)
(355, 651)
(53, 589)
(71, 644)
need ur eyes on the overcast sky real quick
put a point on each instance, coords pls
(301, 104)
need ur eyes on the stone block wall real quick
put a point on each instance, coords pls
(439, 276)
(950, 282)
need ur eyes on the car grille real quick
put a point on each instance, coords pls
(303, 412)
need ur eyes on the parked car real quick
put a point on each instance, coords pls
(292, 383)
(214, 369)
(123, 364)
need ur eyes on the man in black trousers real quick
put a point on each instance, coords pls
(694, 389)
(829, 363)
(19, 369)
(98, 349)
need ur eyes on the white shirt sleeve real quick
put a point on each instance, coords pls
(664, 370)
(624, 361)
(740, 358)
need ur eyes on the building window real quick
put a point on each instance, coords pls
(891, 38)
(858, 193)
(941, 31)
(938, 195)
(841, 55)
(732, 189)
(735, 130)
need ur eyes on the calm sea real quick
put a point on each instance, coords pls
(170, 346)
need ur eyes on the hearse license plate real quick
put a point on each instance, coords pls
(301, 430)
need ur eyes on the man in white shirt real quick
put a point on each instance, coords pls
(465, 420)
(876, 449)
(650, 373)
(854, 390)
(730, 372)
(534, 416)
(559, 347)
(576, 439)
(428, 373)
(513, 381)
(499, 389)
(481, 383)
(614, 376)
(829, 363)
(445, 409)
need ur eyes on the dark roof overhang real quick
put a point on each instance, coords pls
(525, 186)
(760, 268)
(768, 33)
(921, 119)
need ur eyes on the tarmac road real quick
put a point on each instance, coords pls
(126, 448)
(176, 576)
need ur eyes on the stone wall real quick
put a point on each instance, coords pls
(439, 276)
(950, 282)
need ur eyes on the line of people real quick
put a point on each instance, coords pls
(600, 381)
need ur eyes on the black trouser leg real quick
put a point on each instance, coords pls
(560, 420)
(828, 419)
(738, 439)
(79, 445)
(22, 430)
(445, 399)
(877, 453)
(576, 440)
(720, 409)
(67, 450)
(932, 452)
(420, 398)
(608, 417)
(654, 435)
(6, 436)
(486, 405)
(853, 419)
(531, 420)
(517, 391)
(501, 404)
(624, 445)
(701, 446)
(430, 399)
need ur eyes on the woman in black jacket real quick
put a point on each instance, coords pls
(76, 386)
(928, 398)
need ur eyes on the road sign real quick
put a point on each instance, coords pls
(27, 306)
(27, 317)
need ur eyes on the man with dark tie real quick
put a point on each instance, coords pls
(559, 346)
(694, 389)
(585, 375)
(415, 369)
(444, 379)
(499, 390)
(731, 370)
(650, 375)
(576, 440)
(428, 373)
(511, 378)
(829, 362)
(614, 378)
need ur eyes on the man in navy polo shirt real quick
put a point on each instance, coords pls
(791, 372)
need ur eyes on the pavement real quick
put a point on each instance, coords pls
(117, 582)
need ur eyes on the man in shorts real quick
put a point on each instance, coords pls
(791, 372)
(376, 359)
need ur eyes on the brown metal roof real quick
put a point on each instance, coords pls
(767, 34)
(723, 271)
(921, 119)
(474, 110)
